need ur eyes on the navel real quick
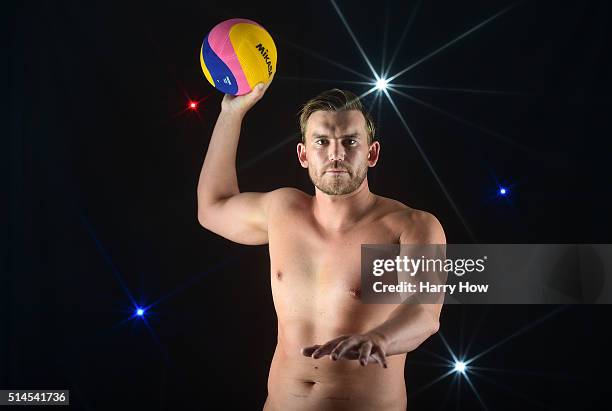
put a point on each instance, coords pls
(309, 383)
(279, 275)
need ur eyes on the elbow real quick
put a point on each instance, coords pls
(434, 327)
(206, 208)
(205, 203)
(431, 318)
(204, 218)
(201, 220)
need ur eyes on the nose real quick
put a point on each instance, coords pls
(336, 151)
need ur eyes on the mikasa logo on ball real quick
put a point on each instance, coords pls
(264, 53)
(227, 81)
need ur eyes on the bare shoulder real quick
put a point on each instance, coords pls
(414, 225)
(288, 197)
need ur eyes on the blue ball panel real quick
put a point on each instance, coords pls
(221, 74)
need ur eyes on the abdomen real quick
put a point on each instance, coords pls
(302, 383)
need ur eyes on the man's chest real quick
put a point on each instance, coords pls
(317, 276)
(309, 255)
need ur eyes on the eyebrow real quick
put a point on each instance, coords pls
(352, 135)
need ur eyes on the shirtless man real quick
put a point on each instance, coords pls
(332, 352)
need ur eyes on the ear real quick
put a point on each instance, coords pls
(301, 153)
(373, 154)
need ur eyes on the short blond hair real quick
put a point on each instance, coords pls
(335, 100)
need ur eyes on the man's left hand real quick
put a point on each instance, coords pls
(369, 347)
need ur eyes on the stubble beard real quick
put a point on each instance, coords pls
(340, 184)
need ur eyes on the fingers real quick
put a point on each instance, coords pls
(267, 84)
(351, 354)
(261, 87)
(380, 357)
(350, 348)
(307, 351)
(343, 347)
(364, 353)
(326, 348)
(245, 102)
(367, 351)
(255, 94)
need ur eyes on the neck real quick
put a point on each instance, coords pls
(340, 212)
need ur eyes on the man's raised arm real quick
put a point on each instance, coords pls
(222, 208)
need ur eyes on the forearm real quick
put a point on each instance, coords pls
(218, 179)
(407, 327)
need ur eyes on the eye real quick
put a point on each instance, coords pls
(351, 142)
(321, 142)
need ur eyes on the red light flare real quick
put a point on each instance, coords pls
(193, 105)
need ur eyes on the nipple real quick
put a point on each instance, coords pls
(355, 293)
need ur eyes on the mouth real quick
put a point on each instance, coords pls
(336, 171)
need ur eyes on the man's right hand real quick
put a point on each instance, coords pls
(241, 104)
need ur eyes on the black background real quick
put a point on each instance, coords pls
(103, 160)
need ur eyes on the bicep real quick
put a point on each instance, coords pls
(241, 218)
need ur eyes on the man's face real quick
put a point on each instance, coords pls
(336, 151)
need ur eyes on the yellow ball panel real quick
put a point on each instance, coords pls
(256, 52)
